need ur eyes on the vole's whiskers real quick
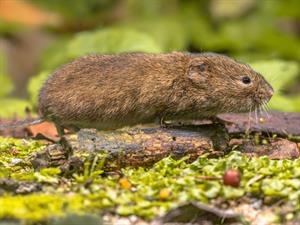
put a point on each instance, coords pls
(260, 110)
(267, 106)
(265, 109)
(256, 117)
(249, 118)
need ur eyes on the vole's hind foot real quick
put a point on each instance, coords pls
(66, 145)
(169, 124)
(60, 130)
(162, 123)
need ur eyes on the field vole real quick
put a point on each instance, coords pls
(111, 91)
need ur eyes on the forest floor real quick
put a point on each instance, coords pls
(153, 175)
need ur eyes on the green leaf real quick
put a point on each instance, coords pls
(111, 40)
(232, 193)
(103, 41)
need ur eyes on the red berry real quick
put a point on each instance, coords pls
(232, 178)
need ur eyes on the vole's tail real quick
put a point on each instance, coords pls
(21, 124)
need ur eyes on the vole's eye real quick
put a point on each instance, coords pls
(202, 67)
(246, 80)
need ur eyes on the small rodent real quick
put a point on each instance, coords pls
(111, 91)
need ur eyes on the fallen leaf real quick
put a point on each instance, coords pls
(47, 129)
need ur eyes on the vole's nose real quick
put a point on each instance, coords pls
(269, 92)
(266, 91)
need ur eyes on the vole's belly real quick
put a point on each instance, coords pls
(109, 124)
(115, 123)
(97, 125)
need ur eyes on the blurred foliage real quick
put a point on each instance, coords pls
(215, 25)
(9, 107)
(12, 107)
(35, 84)
(280, 75)
(9, 27)
(168, 32)
(263, 33)
(110, 40)
(6, 84)
(77, 9)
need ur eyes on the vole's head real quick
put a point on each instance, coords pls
(230, 86)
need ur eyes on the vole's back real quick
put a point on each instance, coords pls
(108, 91)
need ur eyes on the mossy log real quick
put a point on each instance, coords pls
(136, 147)
(145, 146)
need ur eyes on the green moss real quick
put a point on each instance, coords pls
(24, 146)
(13, 153)
(37, 207)
(90, 192)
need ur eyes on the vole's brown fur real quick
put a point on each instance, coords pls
(110, 91)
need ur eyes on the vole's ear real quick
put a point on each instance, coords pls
(198, 72)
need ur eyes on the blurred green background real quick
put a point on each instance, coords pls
(37, 36)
